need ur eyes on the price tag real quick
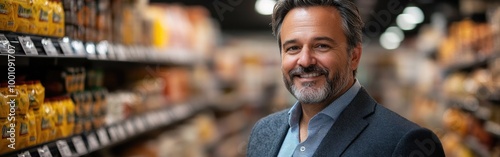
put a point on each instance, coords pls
(93, 143)
(4, 44)
(27, 45)
(91, 50)
(78, 47)
(113, 133)
(79, 145)
(63, 148)
(102, 49)
(165, 119)
(44, 151)
(49, 48)
(184, 111)
(103, 136)
(65, 47)
(149, 120)
(172, 114)
(24, 154)
(121, 132)
(129, 126)
(159, 119)
(139, 124)
(119, 52)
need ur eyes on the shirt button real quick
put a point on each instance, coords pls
(302, 148)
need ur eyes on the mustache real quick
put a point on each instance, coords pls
(304, 70)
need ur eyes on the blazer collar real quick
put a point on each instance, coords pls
(280, 137)
(348, 126)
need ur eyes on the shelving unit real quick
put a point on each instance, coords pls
(37, 50)
(101, 53)
(89, 142)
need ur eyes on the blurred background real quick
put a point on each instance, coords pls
(191, 77)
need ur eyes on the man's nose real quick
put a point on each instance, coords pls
(306, 58)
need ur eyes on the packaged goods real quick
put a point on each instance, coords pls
(60, 117)
(57, 19)
(24, 16)
(32, 126)
(22, 98)
(78, 110)
(36, 93)
(43, 14)
(7, 19)
(22, 132)
(47, 123)
(8, 134)
(70, 117)
(4, 101)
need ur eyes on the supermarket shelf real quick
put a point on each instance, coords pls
(37, 47)
(469, 66)
(86, 143)
(493, 128)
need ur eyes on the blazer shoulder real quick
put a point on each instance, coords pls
(267, 134)
(385, 117)
(274, 119)
(419, 141)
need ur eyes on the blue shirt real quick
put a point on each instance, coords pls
(318, 125)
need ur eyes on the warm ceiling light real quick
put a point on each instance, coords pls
(265, 7)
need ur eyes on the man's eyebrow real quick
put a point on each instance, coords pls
(327, 39)
(289, 42)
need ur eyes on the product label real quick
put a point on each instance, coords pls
(56, 18)
(4, 9)
(70, 118)
(24, 12)
(32, 99)
(24, 129)
(44, 15)
(45, 123)
(32, 138)
(59, 119)
(5, 134)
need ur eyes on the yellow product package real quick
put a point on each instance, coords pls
(4, 101)
(57, 23)
(22, 132)
(47, 132)
(25, 18)
(36, 93)
(37, 115)
(8, 140)
(58, 117)
(32, 126)
(70, 116)
(22, 99)
(7, 20)
(43, 12)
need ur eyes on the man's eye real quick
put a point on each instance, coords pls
(322, 46)
(293, 48)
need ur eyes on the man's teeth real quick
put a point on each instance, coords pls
(309, 75)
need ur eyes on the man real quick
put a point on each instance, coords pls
(320, 46)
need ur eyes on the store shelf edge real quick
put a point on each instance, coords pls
(118, 132)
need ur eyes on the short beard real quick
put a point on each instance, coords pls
(310, 95)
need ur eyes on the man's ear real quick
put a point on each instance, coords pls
(356, 56)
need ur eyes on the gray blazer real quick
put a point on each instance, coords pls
(364, 128)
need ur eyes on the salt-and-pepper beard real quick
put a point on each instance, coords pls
(310, 95)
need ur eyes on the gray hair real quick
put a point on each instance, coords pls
(351, 21)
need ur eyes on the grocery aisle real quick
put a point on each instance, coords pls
(190, 78)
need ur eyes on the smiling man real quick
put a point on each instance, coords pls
(320, 47)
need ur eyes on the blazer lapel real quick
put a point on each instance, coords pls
(348, 126)
(278, 141)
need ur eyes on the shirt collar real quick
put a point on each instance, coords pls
(333, 110)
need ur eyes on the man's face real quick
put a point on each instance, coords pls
(315, 64)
